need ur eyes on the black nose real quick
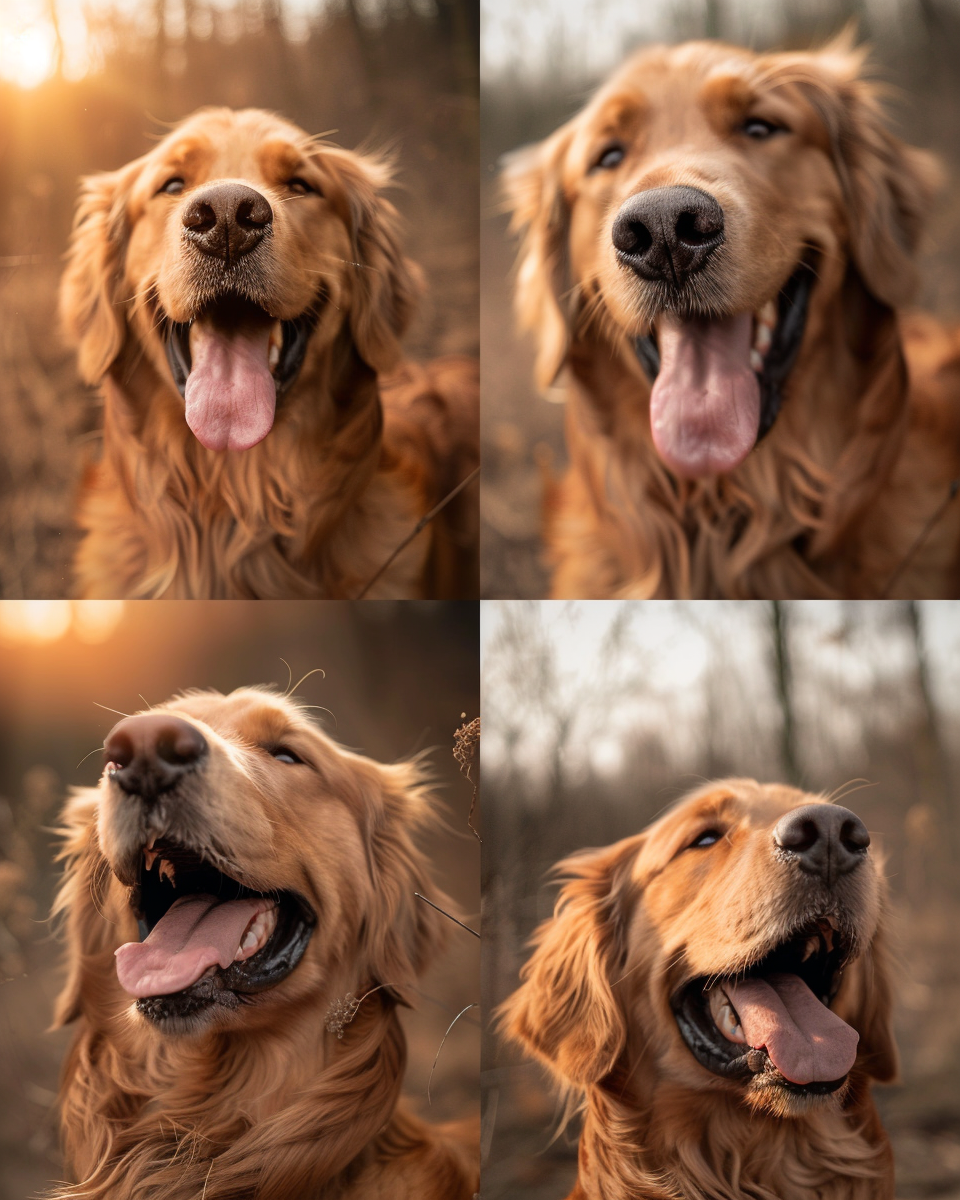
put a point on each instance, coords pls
(149, 755)
(668, 233)
(825, 840)
(227, 220)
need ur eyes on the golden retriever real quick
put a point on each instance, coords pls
(716, 249)
(234, 883)
(715, 988)
(239, 293)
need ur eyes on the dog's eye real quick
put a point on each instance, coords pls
(757, 127)
(707, 838)
(610, 158)
(173, 187)
(285, 755)
(300, 186)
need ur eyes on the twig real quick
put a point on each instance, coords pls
(449, 1027)
(446, 914)
(466, 747)
(924, 534)
(421, 524)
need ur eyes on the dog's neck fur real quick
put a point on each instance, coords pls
(678, 1147)
(823, 464)
(282, 519)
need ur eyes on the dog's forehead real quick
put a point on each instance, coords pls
(253, 715)
(225, 142)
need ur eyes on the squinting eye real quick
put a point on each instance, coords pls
(173, 187)
(757, 127)
(708, 838)
(300, 186)
(285, 755)
(611, 157)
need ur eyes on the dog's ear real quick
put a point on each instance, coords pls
(534, 194)
(81, 900)
(565, 1011)
(888, 187)
(90, 301)
(387, 285)
(865, 1002)
(402, 934)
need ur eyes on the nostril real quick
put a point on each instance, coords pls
(119, 750)
(179, 745)
(799, 836)
(200, 217)
(632, 237)
(854, 836)
(695, 230)
(252, 215)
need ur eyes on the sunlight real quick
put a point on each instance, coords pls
(28, 55)
(36, 622)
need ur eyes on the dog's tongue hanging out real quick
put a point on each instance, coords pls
(705, 403)
(231, 395)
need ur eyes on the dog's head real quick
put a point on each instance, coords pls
(233, 254)
(733, 945)
(699, 213)
(235, 866)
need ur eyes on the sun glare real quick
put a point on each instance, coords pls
(28, 55)
(37, 622)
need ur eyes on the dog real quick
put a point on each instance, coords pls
(239, 294)
(715, 990)
(242, 927)
(717, 250)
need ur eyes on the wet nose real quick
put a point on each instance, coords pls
(667, 234)
(227, 220)
(149, 755)
(824, 839)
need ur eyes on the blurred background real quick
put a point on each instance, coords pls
(399, 678)
(87, 85)
(540, 61)
(598, 716)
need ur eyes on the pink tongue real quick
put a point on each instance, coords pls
(196, 932)
(705, 403)
(804, 1039)
(230, 393)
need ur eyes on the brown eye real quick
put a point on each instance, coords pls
(758, 128)
(173, 187)
(300, 186)
(611, 157)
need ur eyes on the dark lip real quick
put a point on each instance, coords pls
(296, 336)
(792, 306)
(152, 897)
(822, 973)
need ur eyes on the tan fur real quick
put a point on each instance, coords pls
(361, 448)
(262, 1103)
(831, 502)
(636, 921)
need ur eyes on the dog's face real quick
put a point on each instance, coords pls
(248, 866)
(733, 945)
(233, 254)
(698, 214)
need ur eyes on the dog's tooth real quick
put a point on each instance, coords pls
(811, 946)
(756, 361)
(763, 338)
(768, 315)
(168, 871)
(150, 857)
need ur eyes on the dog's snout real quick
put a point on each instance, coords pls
(826, 840)
(667, 234)
(148, 755)
(227, 220)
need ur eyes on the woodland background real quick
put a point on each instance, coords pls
(598, 715)
(540, 62)
(398, 677)
(399, 75)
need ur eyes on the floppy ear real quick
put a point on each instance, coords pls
(888, 187)
(533, 190)
(89, 291)
(866, 1003)
(387, 285)
(565, 1012)
(82, 897)
(402, 934)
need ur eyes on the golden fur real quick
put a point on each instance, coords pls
(861, 456)
(262, 1102)
(361, 447)
(633, 924)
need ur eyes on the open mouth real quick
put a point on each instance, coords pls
(206, 939)
(231, 364)
(718, 382)
(773, 1022)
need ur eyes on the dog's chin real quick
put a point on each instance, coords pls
(775, 1097)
